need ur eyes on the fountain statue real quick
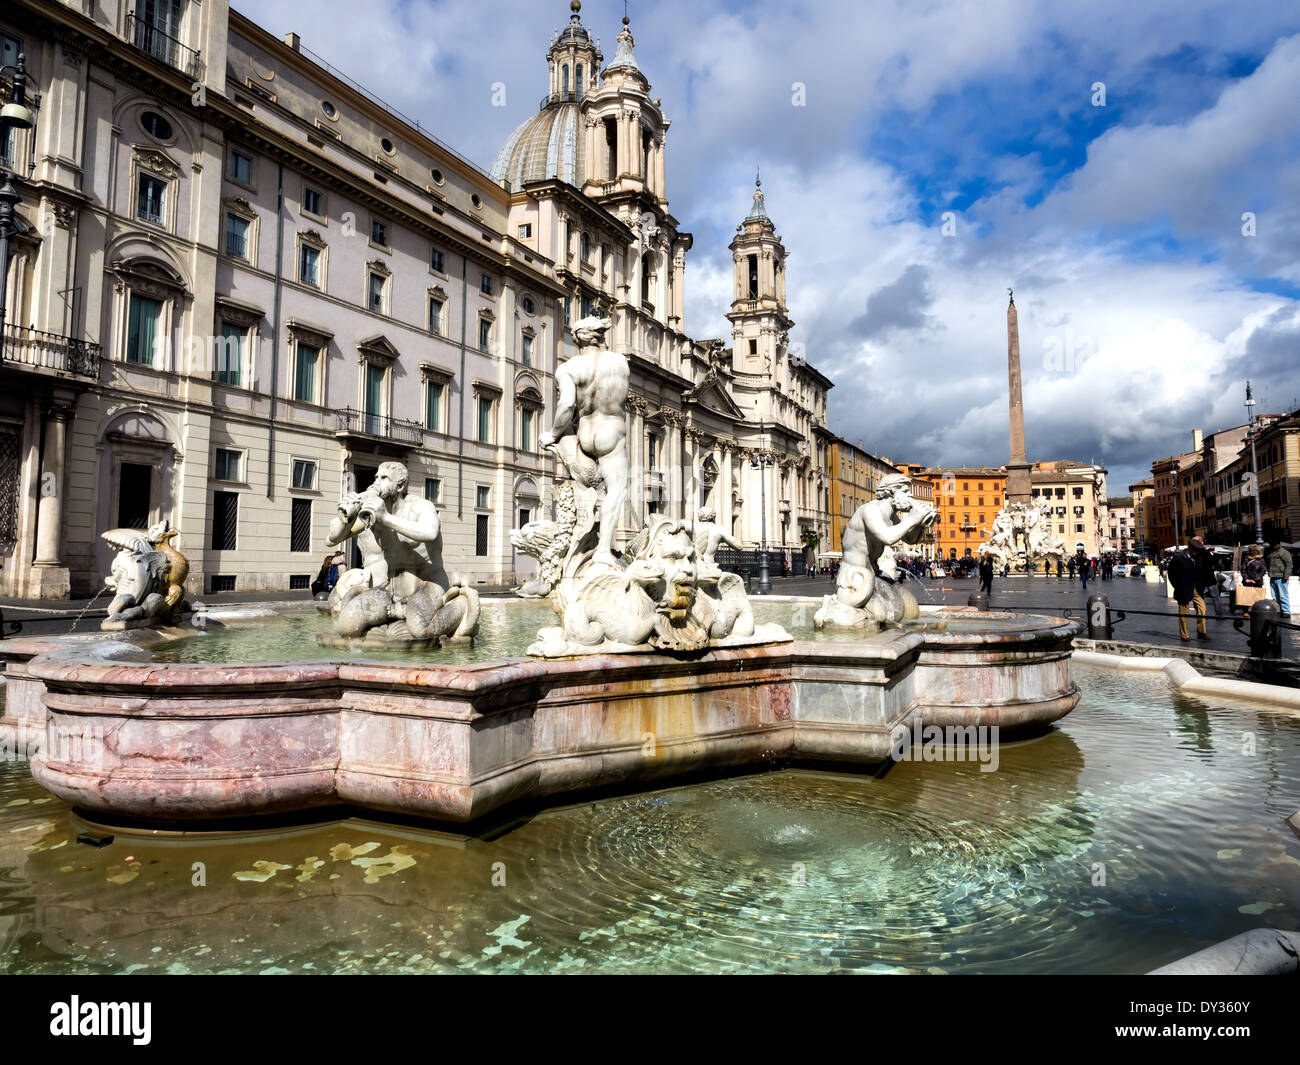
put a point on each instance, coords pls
(868, 591)
(1022, 536)
(663, 594)
(400, 595)
(148, 577)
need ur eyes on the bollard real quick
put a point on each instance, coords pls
(1099, 617)
(978, 600)
(1265, 636)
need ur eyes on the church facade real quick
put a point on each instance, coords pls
(241, 283)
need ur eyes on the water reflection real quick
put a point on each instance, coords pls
(1133, 833)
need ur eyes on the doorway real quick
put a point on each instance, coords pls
(365, 477)
(134, 496)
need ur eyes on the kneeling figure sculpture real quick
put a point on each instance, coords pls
(400, 595)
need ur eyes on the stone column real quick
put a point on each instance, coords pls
(1018, 486)
(723, 494)
(49, 577)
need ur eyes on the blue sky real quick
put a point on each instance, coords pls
(1120, 226)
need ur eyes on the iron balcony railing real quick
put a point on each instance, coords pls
(380, 426)
(162, 46)
(32, 347)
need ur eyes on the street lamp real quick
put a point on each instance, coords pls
(14, 115)
(1254, 468)
(764, 577)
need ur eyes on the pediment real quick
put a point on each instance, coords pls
(157, 161)
(710, 393)
(378, 347)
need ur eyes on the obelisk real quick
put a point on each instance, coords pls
(1018, 468)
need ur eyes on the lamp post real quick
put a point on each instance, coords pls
(1254, 468)
(14, 115)
(762, 461)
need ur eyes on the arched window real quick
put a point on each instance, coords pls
(577, 79)
(564, 84)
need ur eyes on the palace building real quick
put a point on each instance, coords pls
(240, 282)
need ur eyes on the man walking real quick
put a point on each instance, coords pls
(1084, 567)
(986, 574)
(1186, 574)
(1280, 566)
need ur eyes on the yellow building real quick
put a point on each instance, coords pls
(854, 475)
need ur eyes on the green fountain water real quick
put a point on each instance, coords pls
(1134, 832)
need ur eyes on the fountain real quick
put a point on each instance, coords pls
(657, 669)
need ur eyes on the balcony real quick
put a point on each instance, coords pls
(50, 351)
(379, 428)
(163, 47)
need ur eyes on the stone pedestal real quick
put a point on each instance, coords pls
(48, 580)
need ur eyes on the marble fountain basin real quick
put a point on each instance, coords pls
(123, 736)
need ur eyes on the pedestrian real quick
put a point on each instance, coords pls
(1280, 566)
(986, 574)
(1058, 569)
(1185, 574)
(1071, 565)
(1084, 567)
(1210, 589)
(328, 575)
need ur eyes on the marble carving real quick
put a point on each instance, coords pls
(868, 590)
(148, 577)
(400, 595)
(1022, 536)
(665, 593)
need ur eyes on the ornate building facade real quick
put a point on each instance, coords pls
(241, 282)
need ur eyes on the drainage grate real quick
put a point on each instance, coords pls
(299, 581)
(223, 583)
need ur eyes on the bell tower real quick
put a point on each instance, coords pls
(760, 323)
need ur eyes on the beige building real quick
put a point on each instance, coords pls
(1075, 495)
(242, 283)
(855, 474)
(1143, 522)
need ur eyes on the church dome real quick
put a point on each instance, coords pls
(545, 146)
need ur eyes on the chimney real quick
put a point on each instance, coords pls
(1197, 440)
(293, 41)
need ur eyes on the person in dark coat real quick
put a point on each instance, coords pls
(1186, 573)
(986, 574)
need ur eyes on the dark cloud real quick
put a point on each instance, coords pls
(900, 305)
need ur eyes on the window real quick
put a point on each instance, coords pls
(376, 292)
(1078, 527)
(529, 306)
(484, 420)
(372, 399)
(142, 329)
(225, 520)
(484, 334)
(1078, 493)
(304, 473)
(527, 351)
(997, 500)
(577, 79)
(525, 516)
(300, 526)
(304, 377)
(753, 277)
(436, 174)
(237, 236)
(8, 138)
(227, 465)
(230, 353)
(309, 266)
(981, 500)
(156, 126)
(388, 146)
(481, 495)
(433, 405)
(312, 201)
(525, 230)
(588, 307)
(526, 430)
(433, 489)
(149, 199)
(485, 285)
(241, 168)
(480, 535)
(379, 232)
(437, 261)
(753, 347)
(585, 244)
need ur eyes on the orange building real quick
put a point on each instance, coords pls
(967, 498)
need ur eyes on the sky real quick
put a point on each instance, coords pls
(1131, 170)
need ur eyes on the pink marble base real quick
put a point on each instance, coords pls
(179, 742)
